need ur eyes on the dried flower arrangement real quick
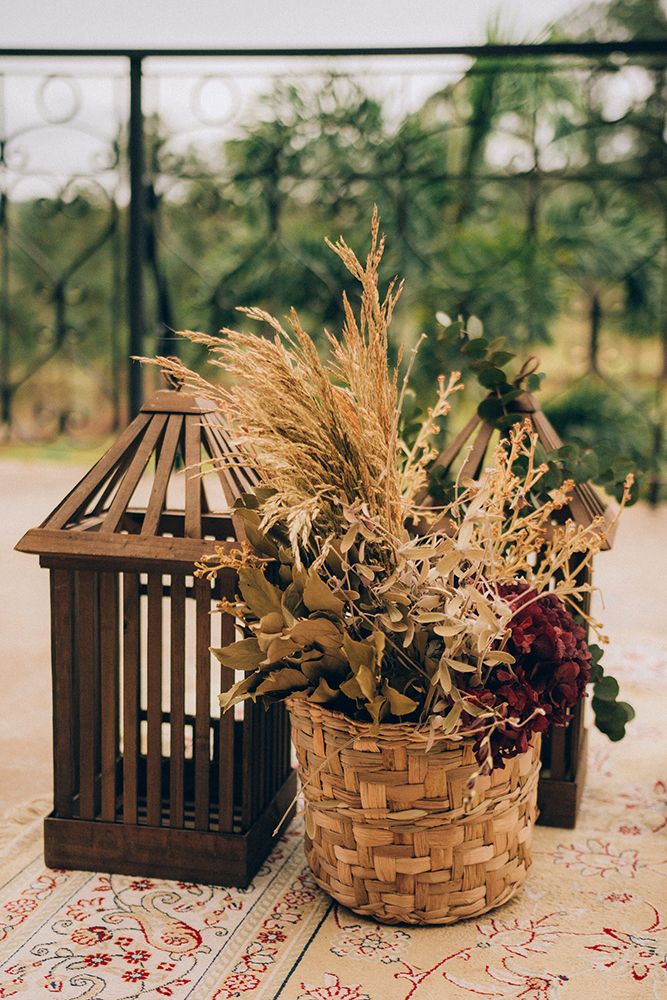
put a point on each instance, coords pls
(456, 618)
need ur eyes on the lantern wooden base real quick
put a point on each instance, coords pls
(558, 800)
(205, 856)
(563, 775)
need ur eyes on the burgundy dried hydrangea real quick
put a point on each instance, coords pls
(551, 670)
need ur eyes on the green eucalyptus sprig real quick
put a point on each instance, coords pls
(489, 362)
(611, 715)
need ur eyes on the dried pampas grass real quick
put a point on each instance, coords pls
(322, 435)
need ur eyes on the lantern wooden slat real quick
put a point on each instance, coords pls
(72, 504)
(102, 502)
(446, 457)
(202, 730)
(154, 702)
(143, 784)
(558, 753)
(249, 770)
(478, 451)
(131, 682)
(564, 750)
(193, 481)
(109, 689)
(226, 727)
(177, 703)
(86, 610)
(131, 478)
(64, 728)
(258, 783)
(163, 468)
(238, 481)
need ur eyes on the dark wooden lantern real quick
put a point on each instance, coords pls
(148, 779)
(564, 749)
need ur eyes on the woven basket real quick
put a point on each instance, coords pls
(386, 831)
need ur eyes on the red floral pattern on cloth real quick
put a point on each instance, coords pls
(598, 858)
(650, 800)
(15, 911)
(371, 943)
(261, 953)
(117, 937)
(640, 955)
(332, 989)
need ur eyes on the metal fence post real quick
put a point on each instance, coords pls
(5, 320)
(136, 238)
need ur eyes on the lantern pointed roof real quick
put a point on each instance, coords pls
(585, 503)
(147, 499)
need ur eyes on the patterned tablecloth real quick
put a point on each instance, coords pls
(591, 922)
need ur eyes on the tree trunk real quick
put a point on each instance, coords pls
(594, 344)
(662, 317)
(480, 123)
(6, 392)
(654, 485)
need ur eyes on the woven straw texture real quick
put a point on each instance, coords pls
(386, 831)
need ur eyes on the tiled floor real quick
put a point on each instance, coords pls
(28, 491)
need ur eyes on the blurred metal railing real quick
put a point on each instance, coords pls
(83, 280)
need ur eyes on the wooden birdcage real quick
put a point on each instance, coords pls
(564, 749)
(148, 778)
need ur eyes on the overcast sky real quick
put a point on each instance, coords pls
(193, 95)
(267, 23)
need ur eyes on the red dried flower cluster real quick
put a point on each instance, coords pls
(550, 673)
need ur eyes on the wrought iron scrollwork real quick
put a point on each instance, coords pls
(507, 176)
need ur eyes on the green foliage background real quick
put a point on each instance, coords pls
(512, 194)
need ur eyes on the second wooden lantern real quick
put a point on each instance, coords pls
(564, 750)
